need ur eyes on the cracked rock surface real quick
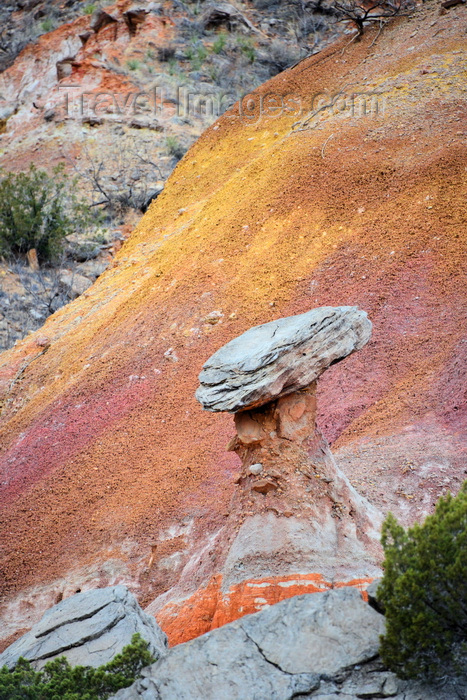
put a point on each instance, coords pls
(89, 629)
(279, 653)
(280, 357)
(322, 647)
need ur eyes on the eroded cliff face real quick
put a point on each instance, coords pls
(111, 472)
(72, 93)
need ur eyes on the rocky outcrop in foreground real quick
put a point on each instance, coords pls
(311, 646)
(89, 629)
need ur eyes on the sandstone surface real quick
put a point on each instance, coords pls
(310, 646)
(89, 629)
(275, 654)
(280, 357)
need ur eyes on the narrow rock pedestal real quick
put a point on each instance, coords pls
(296, 510)
(295, 523)
(284, 456)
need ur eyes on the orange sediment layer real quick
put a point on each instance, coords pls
(210, 607)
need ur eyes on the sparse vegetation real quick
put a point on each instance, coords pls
(120, 180)
(220, 43)
(190, 53)
(173, 66)
(100, 237)
(89, 9)
(196, 54)
(174, 147)
(133, 64)
(45, 287)
(47, 25)
(247, 48)
(361, 13)
(38, 210)
(59, 680)
(213, 73)
(424, 592)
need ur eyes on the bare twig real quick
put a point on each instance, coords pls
(361, 13)
(125, 181)
(381, 25)
(304, 124)
(355, 36)
(323, 149)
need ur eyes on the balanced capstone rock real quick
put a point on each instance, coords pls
(280, 357)
(293, 510)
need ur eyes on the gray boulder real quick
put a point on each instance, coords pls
(74, 283)
(317, 633)
(89, 629)
(280, 357)
(279, 653)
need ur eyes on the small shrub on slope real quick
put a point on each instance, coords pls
(60, 681)
(38, 211)
(424, 592)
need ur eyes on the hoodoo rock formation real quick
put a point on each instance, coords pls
(299, 512)
(270, 373)
(293, 512)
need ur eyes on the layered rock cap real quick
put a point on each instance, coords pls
(280, 357)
